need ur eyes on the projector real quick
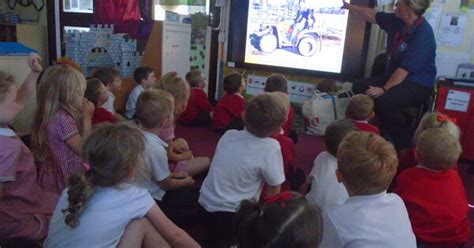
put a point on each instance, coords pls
(465, 71)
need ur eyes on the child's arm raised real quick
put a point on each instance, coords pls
(172, 233)
(28, 86)
(75, 141)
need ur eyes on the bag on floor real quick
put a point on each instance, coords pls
(320, 111)
(324, 108)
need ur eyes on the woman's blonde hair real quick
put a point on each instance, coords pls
(437, 120)
(177, 87)
(6, 82)
(60, 87)
(113, 153)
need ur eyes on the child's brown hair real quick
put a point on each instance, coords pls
(276, 82)
(366, 162)
(360, 108)
(285, 220)
(194, 78)
(327, 85)
(6, 82)
(335, 133)
(141, 73)
(93, 90)
(113, 153)
(232, 82)
(106, 74)
(153, 107)
(437, 149)
(265, 113)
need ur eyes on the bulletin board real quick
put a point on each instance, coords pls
(453, 24)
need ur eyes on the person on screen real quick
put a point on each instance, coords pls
(304, 20)
(410, 70)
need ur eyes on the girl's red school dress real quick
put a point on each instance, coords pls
(25, 209)
(55, 171)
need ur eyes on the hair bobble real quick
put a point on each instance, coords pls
(279, 198)
(445, 118)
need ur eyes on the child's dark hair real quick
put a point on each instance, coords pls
(113, 152)
(276, 82)
(335, 133)
(194, 78)
(327, 85)
(285, 220)
(106, 74)
(93, 90)
(232, 82)
(141, 73)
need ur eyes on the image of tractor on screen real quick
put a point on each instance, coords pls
(304, 34)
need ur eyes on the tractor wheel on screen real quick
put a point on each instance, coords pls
(267, 43)
(308, 46)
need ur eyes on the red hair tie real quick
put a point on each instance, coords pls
(281, 198)
(86, 166)
(445, 118)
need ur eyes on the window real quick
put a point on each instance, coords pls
(180, 7)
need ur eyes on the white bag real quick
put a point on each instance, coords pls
(320, 111)
(323, 109)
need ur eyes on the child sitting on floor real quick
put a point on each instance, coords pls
(243, 163)
(407, 158)
(145, 78)
(326, 191)
(278, 82)
(198, 110)
(101, 209)
(371, 217)
(97, 94)
(228, 112)
(110, 77)
(62, 121)
(178, 151)
(25, 209)
(434, 193)
(285, 220)
(359, 110)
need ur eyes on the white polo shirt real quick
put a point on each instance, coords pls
(242, 164)
(379, 220)
(156, 166)
(131, 106)
(325, 191)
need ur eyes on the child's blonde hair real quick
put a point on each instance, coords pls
(113, 152)
(360, 107)
(60, 87)
(265, 113)
(179, 89)
(6, 82)
(437, 149)
(153, 107)
(367, 163)
(437, 120)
